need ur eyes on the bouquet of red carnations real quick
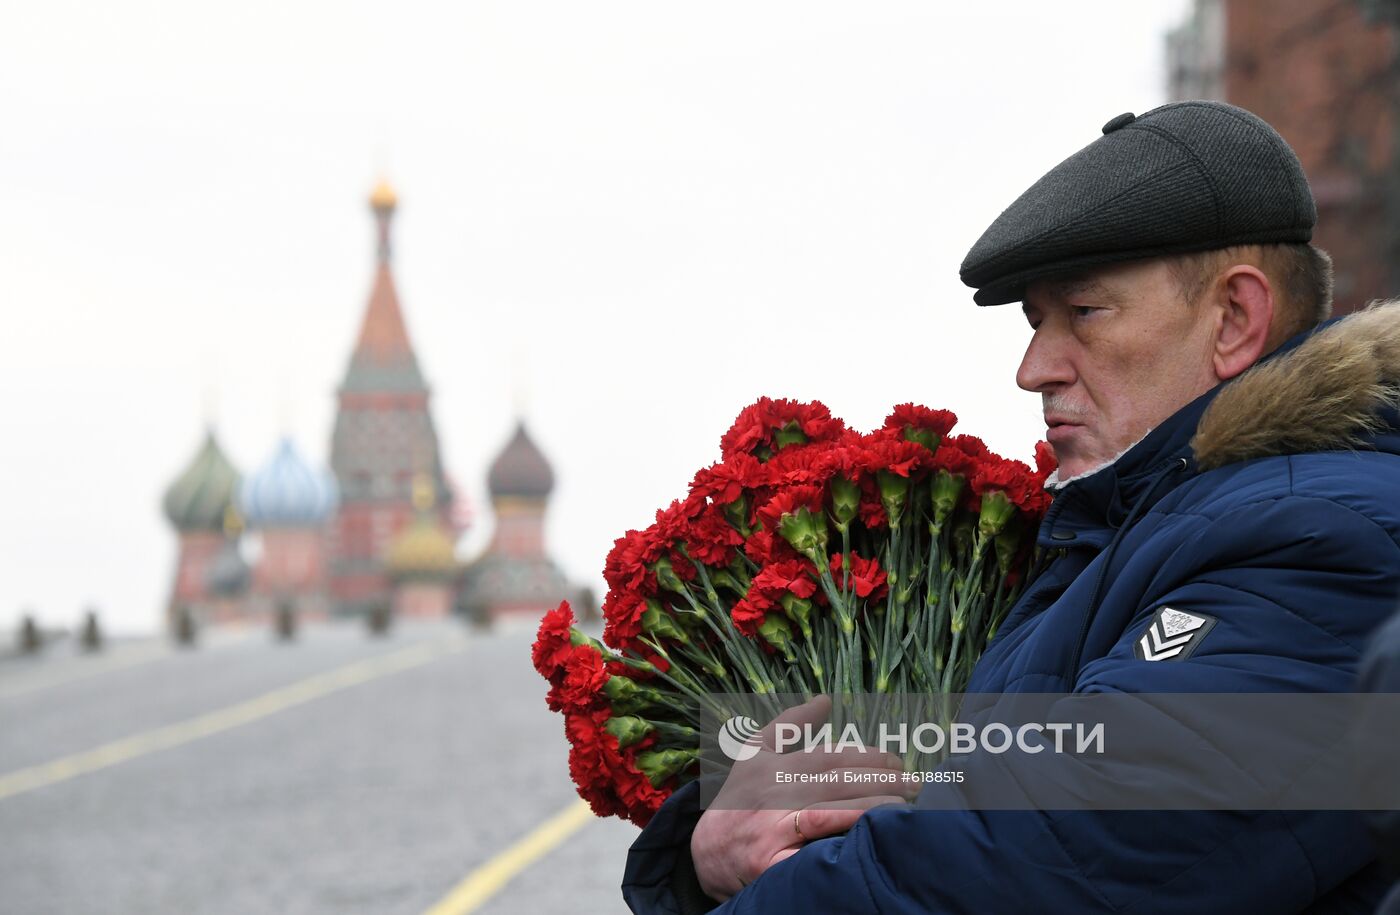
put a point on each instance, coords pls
(811, 559)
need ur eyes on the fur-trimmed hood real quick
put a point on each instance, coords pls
(1337, 389)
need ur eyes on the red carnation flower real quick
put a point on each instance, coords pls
(1004, 475)
(809, 465)
(971, 445)
(788, 502)
(761, 427)
(593, 760)
(872, 507)
(552, 646)
(866, 576)
(765, 546)
(916, 423)
(788, 575)
(582, 684)
(1045, 462)
(627, 562)
(1019, 482)
(956, 461)
(726, 481)
(622, 616)
(710, 539)
(750, 612)
(896, 456)
(635, 790)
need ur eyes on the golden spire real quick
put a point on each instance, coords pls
(383, 196)
(422, 492)
(233, 521)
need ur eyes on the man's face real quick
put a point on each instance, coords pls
(1115, 351)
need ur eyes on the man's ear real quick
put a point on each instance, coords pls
(1247, 312)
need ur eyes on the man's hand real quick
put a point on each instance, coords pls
(740, 836)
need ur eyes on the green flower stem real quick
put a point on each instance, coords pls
(745, 653)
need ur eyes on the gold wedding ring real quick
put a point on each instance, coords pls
(797, 825)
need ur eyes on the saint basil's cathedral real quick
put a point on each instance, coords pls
(379, 529)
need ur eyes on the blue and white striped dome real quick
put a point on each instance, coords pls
(287, 492)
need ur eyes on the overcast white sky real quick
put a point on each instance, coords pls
(640, 216)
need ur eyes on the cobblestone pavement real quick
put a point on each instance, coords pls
(372, 796)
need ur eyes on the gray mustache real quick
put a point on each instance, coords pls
(1060, 406)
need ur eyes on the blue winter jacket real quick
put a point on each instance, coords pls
(1270, 503)
(1380, 673)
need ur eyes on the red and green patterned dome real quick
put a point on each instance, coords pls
(200, 498)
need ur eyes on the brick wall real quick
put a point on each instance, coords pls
(1324, 76)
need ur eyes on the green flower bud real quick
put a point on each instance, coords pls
(740, 572)
(791, 434)
(658, 622)
(997, 511)
(806, 532)
(1007, 542)
(723, 578)
(670, 730)
(845, 499)
(947, 488)
(962, 534)
(894, 490)
(578, 638)
(628, 729)
(737, 514)
(777, 631)
(799, 610)
(926, 437)
(627, 695)
(659, 765)
(666, 576)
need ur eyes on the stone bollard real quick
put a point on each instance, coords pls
(186, 632)
(588, 606)
(379, 618)
(30, 638)
(90, 639)
(285, 621)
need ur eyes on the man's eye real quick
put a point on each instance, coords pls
(1083, 311)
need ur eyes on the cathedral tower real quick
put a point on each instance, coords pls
(383, 439)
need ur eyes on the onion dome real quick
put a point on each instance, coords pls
(228, 575)
(202, 494)
(520, 470)
(287, 492)
(423, 550)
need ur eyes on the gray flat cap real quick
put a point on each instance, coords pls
(1189, 176)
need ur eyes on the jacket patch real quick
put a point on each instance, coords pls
(1172, 635)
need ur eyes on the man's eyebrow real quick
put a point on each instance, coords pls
(1086, 286)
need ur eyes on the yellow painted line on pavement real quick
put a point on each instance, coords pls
(183, 732)
(487, 880)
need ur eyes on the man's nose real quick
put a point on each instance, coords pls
(1047, 364)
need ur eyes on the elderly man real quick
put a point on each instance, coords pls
(1226, 455)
